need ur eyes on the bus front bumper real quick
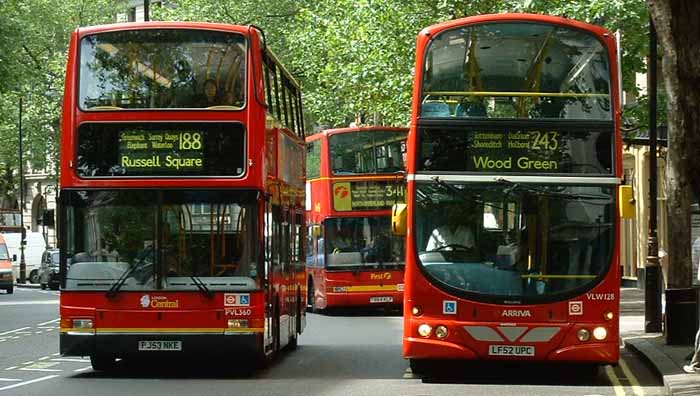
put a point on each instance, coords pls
(126, 345)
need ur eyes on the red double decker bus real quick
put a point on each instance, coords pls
(514, 169)
(354, 176)
(182, 193)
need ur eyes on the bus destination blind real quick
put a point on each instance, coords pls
(149, 151)
(369, 195)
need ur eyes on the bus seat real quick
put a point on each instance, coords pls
(435, 109)
(471, 109)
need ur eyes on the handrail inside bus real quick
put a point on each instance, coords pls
(533, 94)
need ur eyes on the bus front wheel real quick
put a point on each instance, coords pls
(420, 367)
(102, 363)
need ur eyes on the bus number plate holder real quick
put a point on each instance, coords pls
(160, 346)
(511, 350)
(387, 299)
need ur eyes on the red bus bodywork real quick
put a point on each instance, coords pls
(507, 324)
(256, 322)
(369, 287)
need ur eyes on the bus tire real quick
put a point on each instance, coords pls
(420, 367)
(10, 290)
(311, 297)
(102, 363)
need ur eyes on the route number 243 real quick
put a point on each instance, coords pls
(545, 140)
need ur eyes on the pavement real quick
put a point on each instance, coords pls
(28, 285)
(666, 360)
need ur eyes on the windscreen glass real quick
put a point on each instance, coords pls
(161, 239)
(514, 241)
(162, 68)
(361, 243)
(516, 70)
(368, 152)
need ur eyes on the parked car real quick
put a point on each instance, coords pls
(48, 270)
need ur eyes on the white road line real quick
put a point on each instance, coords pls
(27, 363)
(617, 385)
(55, 354)
(14, 331)
(80, 370)
(44, 358)
(11, 368)
(70, 360)
(637, 389)
(49, 322)
(38, 332)
(37, 302)
(9, 380)
(41, 369)
(48, 377)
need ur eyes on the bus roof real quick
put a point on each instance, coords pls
(513, 17)
(336, 131)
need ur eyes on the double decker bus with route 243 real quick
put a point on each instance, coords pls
(182, 190)
(514, 166)
(354, 176)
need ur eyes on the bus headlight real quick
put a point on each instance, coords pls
(441, 332)
(82, 323)
(417, 310)
(424, 330)
(599, 333)
(237, 323)
(583, 335)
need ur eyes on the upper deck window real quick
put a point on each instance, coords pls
(162, 68)
(516, 70)
(368, 152)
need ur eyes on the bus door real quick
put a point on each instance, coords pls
(268, 281)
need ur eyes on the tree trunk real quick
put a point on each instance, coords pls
(677, 26)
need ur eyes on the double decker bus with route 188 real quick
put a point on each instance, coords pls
(182, 193)
(514, 169)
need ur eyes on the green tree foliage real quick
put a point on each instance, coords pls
(356, 57)
(33, 53)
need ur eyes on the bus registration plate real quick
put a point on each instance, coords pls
(381, 299)
(160, 345)
(511, 350)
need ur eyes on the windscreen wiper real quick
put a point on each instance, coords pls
(542, 191)
(120, 282)
(202, 286)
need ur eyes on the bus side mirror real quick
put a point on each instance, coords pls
(398, 219)
(316, 230)
(627, 203)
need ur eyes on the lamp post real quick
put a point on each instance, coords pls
(652, 270)
(23, 233)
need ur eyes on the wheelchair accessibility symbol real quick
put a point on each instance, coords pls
(449, 307)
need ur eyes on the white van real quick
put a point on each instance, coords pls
(36, 244)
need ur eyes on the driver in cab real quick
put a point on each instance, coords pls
(455, 234)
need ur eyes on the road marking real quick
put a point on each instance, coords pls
(637, 389)
(617, 386)
(14, 331)
(38, 332)
(55, 354)
(11, 368)
(408, 374)
(27, 363)
(48, 377)
(80, 370)
(70, 360)
(41, 369)
(9, 380)
(37, 302)
(44, 358)
(49, 322)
